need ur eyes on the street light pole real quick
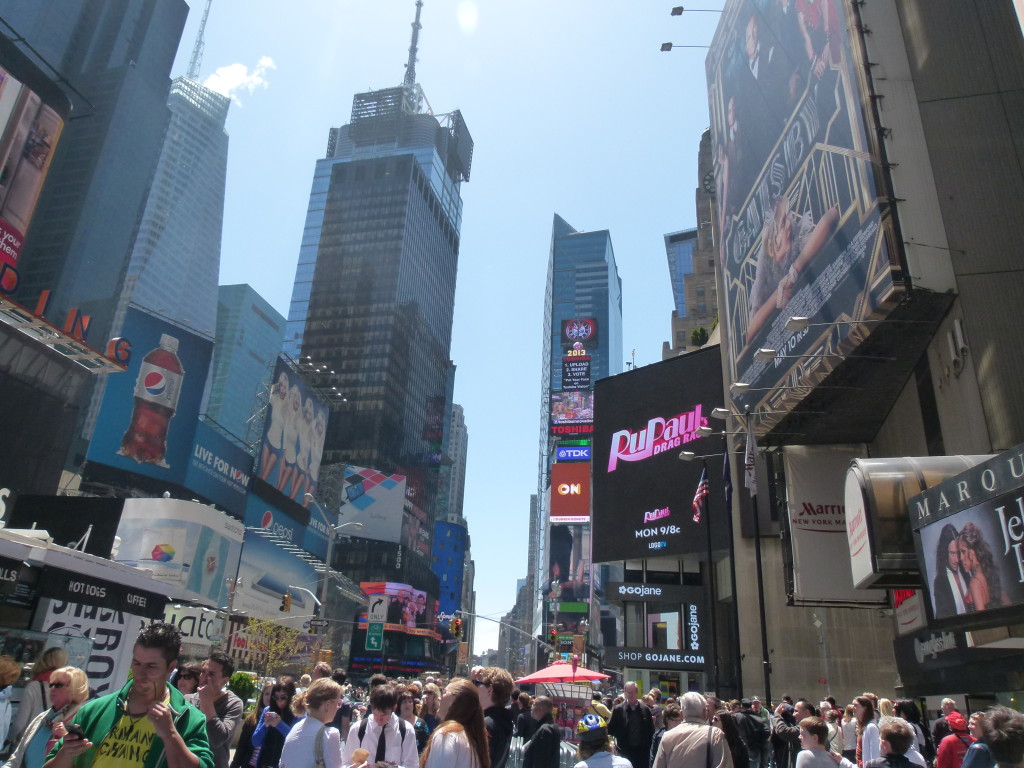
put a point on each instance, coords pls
(333, 529)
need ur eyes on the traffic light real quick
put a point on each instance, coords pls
(286, 602)
(456, 627)
(553, 636)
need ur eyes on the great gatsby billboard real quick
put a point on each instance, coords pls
(804, 233)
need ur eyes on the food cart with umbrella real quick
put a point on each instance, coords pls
(570, 688)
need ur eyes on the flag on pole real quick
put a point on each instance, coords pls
(726, 478)
(749, 459)
(700, 498)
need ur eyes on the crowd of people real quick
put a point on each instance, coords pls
(168, 716)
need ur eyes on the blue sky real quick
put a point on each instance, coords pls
(573, 109)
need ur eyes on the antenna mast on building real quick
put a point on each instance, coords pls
(197, 51)
(410, 67)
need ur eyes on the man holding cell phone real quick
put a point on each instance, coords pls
(147, 724)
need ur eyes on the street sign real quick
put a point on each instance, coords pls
(375, 636)
(317, 623)
(378, 609)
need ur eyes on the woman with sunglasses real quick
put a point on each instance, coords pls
(186, 678)
(68, 688)
(36, 696)
(275, 724)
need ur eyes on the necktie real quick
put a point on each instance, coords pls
(380, 748)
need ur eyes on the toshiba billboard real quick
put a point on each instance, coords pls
(570, 493)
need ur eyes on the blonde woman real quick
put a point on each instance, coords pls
(36, 697)
(68, 688)
(314, 734)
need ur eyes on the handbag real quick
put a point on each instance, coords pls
(318, 748)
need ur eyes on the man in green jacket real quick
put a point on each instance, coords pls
(147, 724)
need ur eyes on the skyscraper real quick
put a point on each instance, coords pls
(375, 284)
(582, 343)
(372, 310)
(114, 58)
(249, 334)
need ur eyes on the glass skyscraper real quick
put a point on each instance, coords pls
(582, 340)
(374, 288)
(114, 58)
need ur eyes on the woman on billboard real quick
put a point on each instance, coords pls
(985, 589)
(789, 242)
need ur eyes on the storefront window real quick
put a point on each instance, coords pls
(664, 626)
(635, 633)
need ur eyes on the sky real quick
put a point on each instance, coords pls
(573, 109)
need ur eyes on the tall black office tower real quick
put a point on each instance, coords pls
(372, 307)
(375, 285)
(113, 59)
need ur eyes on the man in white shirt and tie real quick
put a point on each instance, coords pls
(382, 734)
(950, 584)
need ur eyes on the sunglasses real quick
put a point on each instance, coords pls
(281, 698)
(58, 685)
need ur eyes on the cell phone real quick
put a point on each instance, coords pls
(76, 729)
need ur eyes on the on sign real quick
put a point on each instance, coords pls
(570, 492)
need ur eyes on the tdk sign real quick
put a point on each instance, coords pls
(573, 453)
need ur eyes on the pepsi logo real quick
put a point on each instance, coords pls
(155, 383)
(268, 519)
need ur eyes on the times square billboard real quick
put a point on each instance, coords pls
(799, 189)
(642, 493)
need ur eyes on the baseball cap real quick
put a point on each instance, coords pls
(956, 721)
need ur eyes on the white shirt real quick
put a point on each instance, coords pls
(301, 741)
(604, 760)
(451, 749)
(396, 749)
(956, 588)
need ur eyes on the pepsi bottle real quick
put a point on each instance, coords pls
(156, 400)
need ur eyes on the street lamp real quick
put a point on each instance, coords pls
(334, 529)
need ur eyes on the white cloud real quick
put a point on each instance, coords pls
(230, 80)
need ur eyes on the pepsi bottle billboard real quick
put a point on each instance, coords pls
(147, 420)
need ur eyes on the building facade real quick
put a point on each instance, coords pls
(372, 309)
(582, 343)
(249, 336)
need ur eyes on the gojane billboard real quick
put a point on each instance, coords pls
(969, 537)
(148, 416)
(675, 635)
(804, 232)
(642, 493)
(570, 493)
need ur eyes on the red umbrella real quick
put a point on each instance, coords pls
(562, 672)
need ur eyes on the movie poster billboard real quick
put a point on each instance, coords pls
(570, 493)
(32, 114)
(293, 435)
(416, 526)
(969, 535)
(219, 469)
(376, 500)
(642, 497)
(803, 230)
(193, 546)
(147, 420)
